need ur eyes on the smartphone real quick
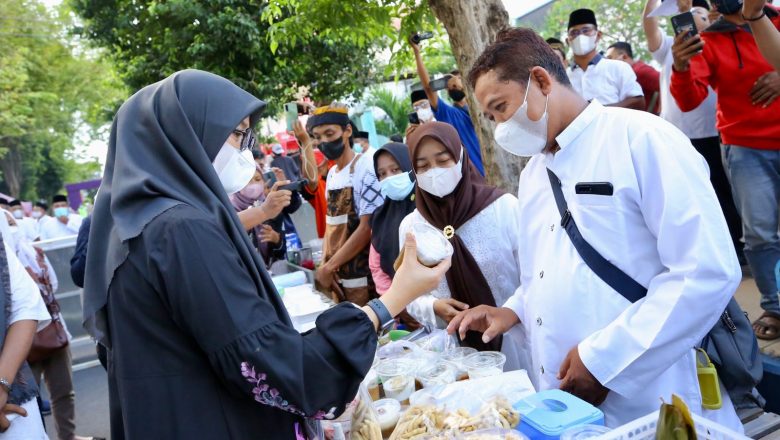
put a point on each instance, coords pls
(684, 23)
(439, 83)
(595, 188)
(295, 186)
(270, 178)
(414, 119)
(291, 114)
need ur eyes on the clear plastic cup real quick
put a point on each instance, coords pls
(388, 411)
(443, 373)
(456, 357)
(397, 376)
(484, 364)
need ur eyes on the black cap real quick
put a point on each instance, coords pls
(42, 205)
(15, 202)
(59, 198)
(361, 135)
(701, 4)
(418, 95)
(582, 16)
(397, 138)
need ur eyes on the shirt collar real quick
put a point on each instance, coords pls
(579, 124)
(592, 62)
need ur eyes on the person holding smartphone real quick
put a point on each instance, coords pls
(725, 56)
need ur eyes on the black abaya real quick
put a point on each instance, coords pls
(198, 354)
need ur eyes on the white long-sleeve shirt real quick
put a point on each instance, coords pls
(491, 237)
(54, 228)
(663, 226)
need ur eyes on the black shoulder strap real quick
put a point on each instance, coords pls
(608, 272)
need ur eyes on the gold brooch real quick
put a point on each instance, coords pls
(449, 232)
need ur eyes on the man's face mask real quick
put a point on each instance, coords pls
(456, 95)
(333, 149)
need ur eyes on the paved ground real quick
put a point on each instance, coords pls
(748, 297)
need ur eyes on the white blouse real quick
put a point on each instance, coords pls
(492, 238)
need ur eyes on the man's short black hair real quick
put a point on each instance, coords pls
(455, 72)
(397, 138)
(15, 202)
(623, 47)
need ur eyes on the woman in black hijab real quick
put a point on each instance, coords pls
(200, 344)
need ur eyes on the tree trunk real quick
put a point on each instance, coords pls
(471, 26)
(11, 166)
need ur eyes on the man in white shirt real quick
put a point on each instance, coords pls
(27, 226)
(612, 82)
(64, 223)
(699, 123)
(639, 194)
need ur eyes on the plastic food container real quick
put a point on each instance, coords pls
(388, 411)
(456, 357)
(548, 414)
(584, 432)
(485, 364)
(432, 246)
(372, 383)
(397, 376)
(442, 373)
(494, 434)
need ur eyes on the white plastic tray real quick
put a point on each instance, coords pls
(644, 429)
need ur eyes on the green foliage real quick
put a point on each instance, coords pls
(396, 109)
(49, 89)
(619, 20)
(149, 40)
(373, 25)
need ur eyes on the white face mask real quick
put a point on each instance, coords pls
(441, 182)
(18, 214)
(37, 214)
(520, 135)
(234, 168)
(583, 44)
(425, 114)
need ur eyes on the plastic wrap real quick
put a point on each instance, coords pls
(359, 421)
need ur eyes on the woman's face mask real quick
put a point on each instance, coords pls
(397, 187)
(441, 182)
(234, 168)
(254, 190)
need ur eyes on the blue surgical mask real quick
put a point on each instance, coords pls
(396, 187)
(357, 148)
(61, 211)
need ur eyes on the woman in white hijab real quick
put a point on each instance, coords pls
(25, 313)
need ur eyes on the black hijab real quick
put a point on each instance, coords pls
(387, 218)
(163, 141)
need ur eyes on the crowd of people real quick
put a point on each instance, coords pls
(671, 178)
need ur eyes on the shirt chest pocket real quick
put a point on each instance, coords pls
(588, 200)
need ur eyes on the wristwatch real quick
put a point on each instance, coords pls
(5, 384)
(386, 320)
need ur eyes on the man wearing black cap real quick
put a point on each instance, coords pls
(456, 115)
(353, 195)
(361, 141)
(66, 223)
(27, 226)
(610, 82)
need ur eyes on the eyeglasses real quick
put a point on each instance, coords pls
(589, 31)
(422, 105)
(247, 138)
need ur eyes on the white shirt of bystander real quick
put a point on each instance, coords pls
(609, 81)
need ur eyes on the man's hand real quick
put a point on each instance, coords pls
(279, 173)
(766, 89)
(683, 50)
(301, 134)
(326, 276)
(276, 200)
(268, 235)
(410, 129)
(576, 379)
(415, 46)
(753, 8)
(490, 321)
(448, 308)
(10, 408)
(64, 219)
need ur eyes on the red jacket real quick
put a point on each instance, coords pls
(731, 63)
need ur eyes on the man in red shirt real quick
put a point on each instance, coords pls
(725, 56)
(646, 76)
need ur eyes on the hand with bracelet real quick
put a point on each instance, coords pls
(765, 30)
(411, 281)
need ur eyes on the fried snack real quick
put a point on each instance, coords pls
(364, 423)
(418, 421)
(495, 414)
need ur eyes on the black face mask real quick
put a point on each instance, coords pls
(332, 150)
(456, 95)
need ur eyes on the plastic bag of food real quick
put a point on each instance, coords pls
(433, 247)
(493, 434)
(359, 421)
(675, 421)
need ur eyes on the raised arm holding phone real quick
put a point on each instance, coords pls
(764, 31)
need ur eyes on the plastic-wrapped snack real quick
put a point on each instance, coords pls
(497, 413)
(419, 422)
(494, 434)
(365, 424)
(432, 246)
